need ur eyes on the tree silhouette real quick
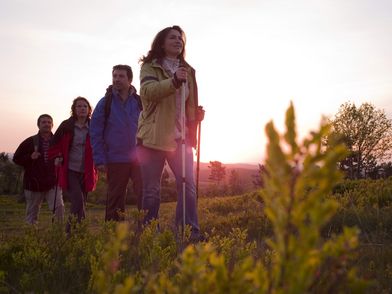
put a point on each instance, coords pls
(258, 178)
(217, 173)
(10, 175)
(4, 157)
(367, 133)
(235, 183)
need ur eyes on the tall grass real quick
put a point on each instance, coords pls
(301, 234)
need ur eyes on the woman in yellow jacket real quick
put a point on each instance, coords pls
(163, 71)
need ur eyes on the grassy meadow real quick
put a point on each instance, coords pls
(236, 226)
(215, 214)
(306, 231)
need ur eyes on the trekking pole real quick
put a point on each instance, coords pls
(55, 192)
(198, 159)
(183, 156)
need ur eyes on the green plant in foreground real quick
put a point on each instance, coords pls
(106, 270)
(46, 261)
(298, 259)
(298, 178)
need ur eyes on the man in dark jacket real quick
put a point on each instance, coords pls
(113, 138)
(39, 181)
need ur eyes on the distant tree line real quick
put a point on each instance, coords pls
(367, 134)
(11, 175)
(218, 185)
(365, 130)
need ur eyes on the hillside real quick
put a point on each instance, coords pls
(246, 173)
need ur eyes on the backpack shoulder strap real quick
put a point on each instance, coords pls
(108, 105)
(36, 142)
(133, 92)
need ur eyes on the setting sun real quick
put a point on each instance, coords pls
(250, 64)
(293, 190)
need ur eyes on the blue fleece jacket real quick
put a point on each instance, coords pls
(115, 143)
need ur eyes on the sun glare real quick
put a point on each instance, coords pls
(248, 70)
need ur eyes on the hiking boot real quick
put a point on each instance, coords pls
(197, 238)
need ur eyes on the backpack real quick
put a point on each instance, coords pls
(108, 103)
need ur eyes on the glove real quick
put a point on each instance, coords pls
(58, 161)
(200, 113)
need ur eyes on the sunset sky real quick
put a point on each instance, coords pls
(251, 59)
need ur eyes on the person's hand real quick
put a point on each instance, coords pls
(58, 161)
(101, 168)
(181, 74)
(200, 113)
(35, 155)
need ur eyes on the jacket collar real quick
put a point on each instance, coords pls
(132, 91)
(158, 62)
(71, 123)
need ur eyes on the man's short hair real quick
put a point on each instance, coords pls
(42, 116)
(125, 67)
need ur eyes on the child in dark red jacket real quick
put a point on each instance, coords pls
(72, 148)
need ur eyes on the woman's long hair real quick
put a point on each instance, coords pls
(73, 107)
(157, 51)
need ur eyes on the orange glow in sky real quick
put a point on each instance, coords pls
(251, 58)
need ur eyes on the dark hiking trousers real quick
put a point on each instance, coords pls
(118, 175)
(77, 197)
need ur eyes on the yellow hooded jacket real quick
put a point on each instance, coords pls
(156, 128)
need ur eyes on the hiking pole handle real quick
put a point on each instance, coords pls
(183, 147)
